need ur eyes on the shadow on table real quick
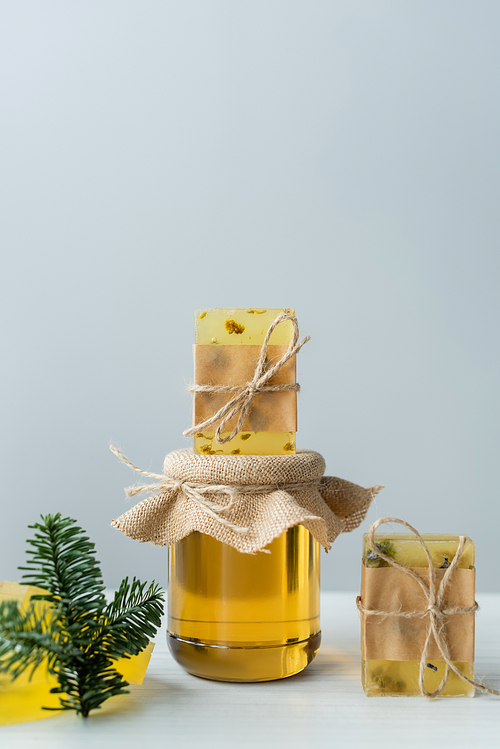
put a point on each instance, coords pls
(330, 661)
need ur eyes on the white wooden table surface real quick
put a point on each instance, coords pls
(323, 706)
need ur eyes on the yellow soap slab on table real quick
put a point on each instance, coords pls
(23, 699)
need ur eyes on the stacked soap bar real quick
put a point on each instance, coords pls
(228, 343)
(391, 646)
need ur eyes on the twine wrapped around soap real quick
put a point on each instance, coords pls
(241, 402)
(435, 612)
(244, 501)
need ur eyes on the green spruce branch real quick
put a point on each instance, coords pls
(79, 633)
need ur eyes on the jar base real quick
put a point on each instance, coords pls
(222, 663)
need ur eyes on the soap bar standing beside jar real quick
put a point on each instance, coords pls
(383, 676)
(235, 616)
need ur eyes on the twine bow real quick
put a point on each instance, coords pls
(241, 402)
(196, 492)
(435, 612)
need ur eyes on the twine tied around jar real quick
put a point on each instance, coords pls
(241, 402)
(194, 491)
(435, 611)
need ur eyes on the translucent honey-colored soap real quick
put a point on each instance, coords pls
(405, 549)
(246, 443)
(23, 700)
(401, 677)
(230, 327)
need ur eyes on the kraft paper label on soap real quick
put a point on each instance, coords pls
(235, 365)
(398, 638)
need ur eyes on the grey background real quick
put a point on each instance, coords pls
(341, 158)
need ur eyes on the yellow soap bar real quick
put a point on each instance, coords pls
(229, 327)
(23, 699)
(405, 549)
(390, 677)
(133, 669)
(386, 678)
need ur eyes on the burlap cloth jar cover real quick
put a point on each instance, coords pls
(243, 500)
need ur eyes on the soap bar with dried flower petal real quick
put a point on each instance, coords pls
(234, 327)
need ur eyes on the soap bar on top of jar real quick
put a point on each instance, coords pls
(392, 646)
(227, 346)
